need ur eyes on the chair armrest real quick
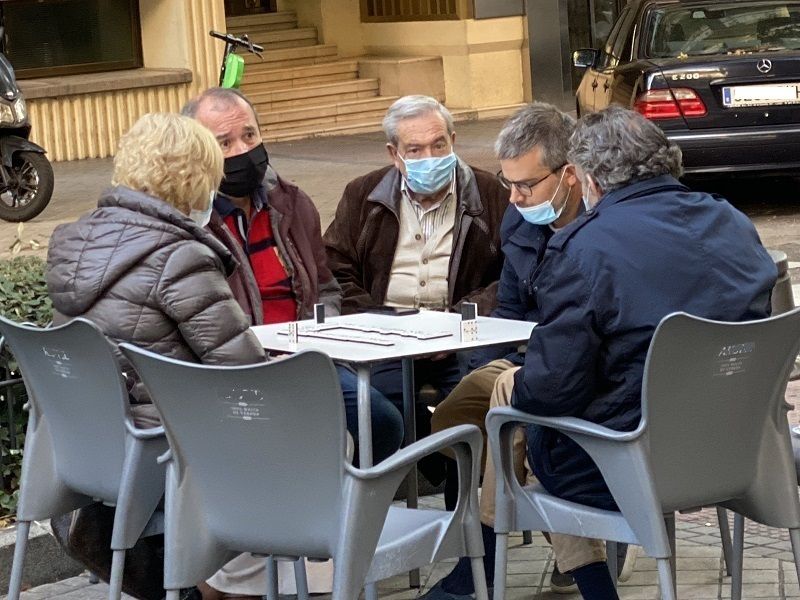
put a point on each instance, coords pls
(499, 416)
(405, 457)
(144, 434)
(620, 456)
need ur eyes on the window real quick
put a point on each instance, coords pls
(64, 37)
(615, 45)
(723, 28)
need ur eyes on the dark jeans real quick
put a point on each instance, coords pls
(443, 375)
(387, 420)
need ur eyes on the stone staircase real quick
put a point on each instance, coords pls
(303, 88)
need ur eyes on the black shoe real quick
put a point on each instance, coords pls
(562, 583)
(191, 593)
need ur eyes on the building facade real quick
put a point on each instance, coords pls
(90, 68)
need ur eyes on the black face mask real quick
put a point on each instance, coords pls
(245, 172)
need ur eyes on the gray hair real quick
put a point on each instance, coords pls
(221, 96)
(410, 107)
(537, 125)
(617, 147)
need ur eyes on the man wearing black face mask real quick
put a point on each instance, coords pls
(273, 230)
(273, 221)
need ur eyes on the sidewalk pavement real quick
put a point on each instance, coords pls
(768, 568)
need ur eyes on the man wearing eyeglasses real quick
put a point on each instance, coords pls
(545, 196)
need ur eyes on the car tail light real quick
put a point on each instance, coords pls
(670, 104)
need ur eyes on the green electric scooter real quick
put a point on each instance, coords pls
(232, 70)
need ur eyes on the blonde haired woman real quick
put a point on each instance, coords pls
(142, 267)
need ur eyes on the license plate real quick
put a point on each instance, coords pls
(761, 95)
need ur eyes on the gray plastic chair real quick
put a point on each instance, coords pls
(782, 301)
(713, 432)
(81, 445)
(257, 464)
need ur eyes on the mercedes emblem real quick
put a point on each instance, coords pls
(764, 65)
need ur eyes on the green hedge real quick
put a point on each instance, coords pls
(23, 297)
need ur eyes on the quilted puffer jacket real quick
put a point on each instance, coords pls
(147, 274)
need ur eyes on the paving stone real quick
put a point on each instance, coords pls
(695, 592)
(755, 590)
(639, 592)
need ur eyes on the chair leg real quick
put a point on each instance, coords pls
(669, 521)
(500, 566)
(725, 534)
(611, 560)
(371, 591)
(300, 579)
(737, 554)
(20, 548)
(527, 537)
(115, 580)
(479, 579)
(272, 578)
(794, 535)
(666, 579)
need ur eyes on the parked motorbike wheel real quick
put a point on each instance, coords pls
(29, 189)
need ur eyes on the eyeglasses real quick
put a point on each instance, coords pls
(525, 187)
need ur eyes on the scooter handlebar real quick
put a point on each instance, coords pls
(237, 41)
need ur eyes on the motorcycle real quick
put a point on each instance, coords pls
(26, 176)
(232, 69)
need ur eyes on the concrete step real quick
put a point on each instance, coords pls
(317, 131)
(367, 109)
(301, 76)
(279, 58)
(267, 100)
(286, 38)
(369, 125)
(249, 24)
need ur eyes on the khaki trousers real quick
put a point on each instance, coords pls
(469, 402)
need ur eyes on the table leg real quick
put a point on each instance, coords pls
(365, 441)
(364, 417)
(410, 420)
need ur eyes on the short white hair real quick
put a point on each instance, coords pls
(410, 107)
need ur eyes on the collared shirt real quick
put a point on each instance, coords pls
(431, 218)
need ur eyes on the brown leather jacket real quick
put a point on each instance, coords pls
(148, 275)
(362, 239)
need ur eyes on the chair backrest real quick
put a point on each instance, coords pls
(260, 447)
(77, 391)
(713, 398)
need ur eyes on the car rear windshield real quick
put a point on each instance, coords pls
(723, 28)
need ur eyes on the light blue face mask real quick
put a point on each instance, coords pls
(586, 204)
(427, 176)
(202, 217)
(544, 213)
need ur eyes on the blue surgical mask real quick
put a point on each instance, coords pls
(202, 217)
(544, 213)
(427, 176)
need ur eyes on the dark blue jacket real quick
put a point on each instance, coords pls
(523, 246)
(607, 279)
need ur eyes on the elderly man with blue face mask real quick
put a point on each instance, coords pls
(423, 232)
